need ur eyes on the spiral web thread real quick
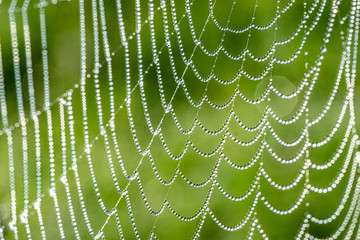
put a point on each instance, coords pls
(55, 188)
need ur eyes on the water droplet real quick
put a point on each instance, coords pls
(156, 132)
(74, 167)
(102, 131)
(146, 152)
(167, 110)
(24, 216)
(87, 149)
(112, 123)
(63, 179)
(357, 157)
(62, 101)
(7, 131)
(52, 192)
(12, 225)
(99, 235)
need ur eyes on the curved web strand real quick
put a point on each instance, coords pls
(139, 141)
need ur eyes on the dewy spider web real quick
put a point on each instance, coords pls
(211, 119)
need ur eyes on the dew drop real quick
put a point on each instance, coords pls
(99, 235)
(12, 225)
(24, 216)
(63, 179)
(102, 131)
(52, 192)
(87, 149)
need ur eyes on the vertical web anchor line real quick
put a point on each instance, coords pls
(225, 114)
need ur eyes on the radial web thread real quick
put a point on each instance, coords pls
(179, 119)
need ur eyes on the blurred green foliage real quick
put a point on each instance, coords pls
(63, 36)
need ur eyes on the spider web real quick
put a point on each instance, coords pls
(182, 119)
